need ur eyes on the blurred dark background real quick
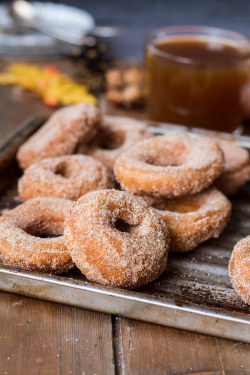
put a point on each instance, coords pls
(141, 16)
(234, 14)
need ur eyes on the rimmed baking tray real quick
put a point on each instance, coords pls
(194, 293)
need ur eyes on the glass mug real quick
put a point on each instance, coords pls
(197, 76)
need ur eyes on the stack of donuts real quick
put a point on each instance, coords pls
(104, 194)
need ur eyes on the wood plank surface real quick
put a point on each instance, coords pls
(44, 338)
(168, 351)
(234, 356)
(85, 342)
(38, 337)
(142, 348)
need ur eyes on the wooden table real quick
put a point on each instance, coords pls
(39, 337)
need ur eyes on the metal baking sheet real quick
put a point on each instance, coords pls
(194, 293)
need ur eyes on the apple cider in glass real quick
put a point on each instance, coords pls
(196, 76)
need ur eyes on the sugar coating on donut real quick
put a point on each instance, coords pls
(60, 134)
(236, 169)
(193, 219)
(116, 134)
(231, 182)
(115, 239)
(20, 229)
(69, 177)
(171, 165)
(239, 269)
(235, 157)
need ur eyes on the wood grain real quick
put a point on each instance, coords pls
(142, 348)
(29, 336)
(234, 356)
(85, 342)
(38, 337)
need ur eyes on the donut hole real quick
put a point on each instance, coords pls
(163, 163)
(62, 170)
(45, 229)
(165, 158)
(123, 226)
(44, 235)
(111, 141)
(180, 205)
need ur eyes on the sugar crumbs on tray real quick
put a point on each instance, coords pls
(49, 82)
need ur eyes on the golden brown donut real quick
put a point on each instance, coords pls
(239, 269)
(23, 231)
(116, 134)
(236, 170)
(69, 176)
(171, 165)
(115, 239)
(60, 134)
(230, 183)
(193, 219)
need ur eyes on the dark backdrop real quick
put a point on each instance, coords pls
(141, 16)
(234, 14)
(144, 15)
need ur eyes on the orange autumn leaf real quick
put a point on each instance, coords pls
(49, 82)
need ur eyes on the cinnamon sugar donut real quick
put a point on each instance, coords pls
(239, 269)
(115, 239)
(68, 177)
(193, 219)
(172, 165)
(236, 170)
(230, 183)
(116, 134)
(60, 134)
(23, 231)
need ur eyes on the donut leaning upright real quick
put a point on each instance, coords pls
(60, 135)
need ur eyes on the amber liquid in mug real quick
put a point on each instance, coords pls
(200, 83)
